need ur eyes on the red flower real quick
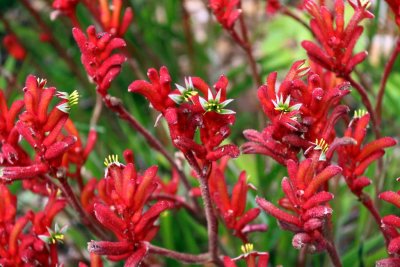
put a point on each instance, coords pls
(306, 202)
(123, 207)
(232, 208)
(14, 47)
(250, 257)
(66, 6)
(186, 111)
(302, 115)
(101, 65)
(355, 158)
(225, 11)
(11, 152)
(110, 17)
(41, 129)
(20, 244)
(337, 43)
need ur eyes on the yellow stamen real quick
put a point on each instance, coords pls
(247, 248)
(111, 159)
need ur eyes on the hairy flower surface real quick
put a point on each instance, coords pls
(306, 202)
(300, 113)
(185, 117)
(232, 207)
(101, 64)
(357, 157)
(123, 207)
(337, 40)
(20, 242)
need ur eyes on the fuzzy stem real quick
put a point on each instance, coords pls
(187, 29)
(367, 202)
(182, 203)
(247, 47)
(387, 71)
(333, 254)
(212, 222)
(86, 218)
(182, 257)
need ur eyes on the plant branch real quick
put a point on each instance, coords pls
(386, 73)
(183, 257)
(212, 222)
(333, 254)
(76, 205)
(367, 202)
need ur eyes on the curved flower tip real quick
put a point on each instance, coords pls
(270, 208)
(391, 197)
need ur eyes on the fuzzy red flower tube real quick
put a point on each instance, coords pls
(302, 115)
(308, 213)
(100, 63)
(122, 208)
(337, 40)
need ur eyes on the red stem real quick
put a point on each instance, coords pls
(180, 202)
(388, 70)
(212, 222)
(86, 218)
(333, 254)
(367, 202)
(182, 257)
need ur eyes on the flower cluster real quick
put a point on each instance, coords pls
(232, 208)
(355, 158)
(390, 223)
(185, 111)
(21, 245)
(108, 17)
(337, 43)
(40, 128)
(123, 207)
(101, 65)
(302, 115)
(225, 11)
(306, 201)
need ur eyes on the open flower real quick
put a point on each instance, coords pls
(186, 93)
(213, 104)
